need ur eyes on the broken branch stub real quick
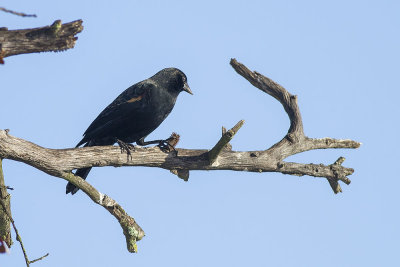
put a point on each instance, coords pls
(56, 37)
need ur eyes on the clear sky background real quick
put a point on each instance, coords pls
(340, 57)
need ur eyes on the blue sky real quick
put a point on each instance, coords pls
(340, 57)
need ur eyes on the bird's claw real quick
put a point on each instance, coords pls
(126, 147)
(165, 146)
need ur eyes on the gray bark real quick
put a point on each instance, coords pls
(57, 37)
(60, 162)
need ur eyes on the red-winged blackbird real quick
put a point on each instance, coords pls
(134, 114)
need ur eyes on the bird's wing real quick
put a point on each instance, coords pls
(127, 103)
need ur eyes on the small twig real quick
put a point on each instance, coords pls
(223, 141)
(6, 187)
(39, 259)
(18, 237)
(17, 13)
(228, 146)
(5, 225)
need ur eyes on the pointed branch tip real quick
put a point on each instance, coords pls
(223, 141)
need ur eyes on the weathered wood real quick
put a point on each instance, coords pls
(5, 222)
(57, 162)
(21, 14)
(223, 142)
(57, 37)
(60, 162)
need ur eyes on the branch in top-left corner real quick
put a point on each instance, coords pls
(53, 38)
(21, 14)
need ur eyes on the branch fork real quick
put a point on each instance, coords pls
(61, 162)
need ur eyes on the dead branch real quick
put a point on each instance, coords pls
(19, 239)
(21, 14)
(60, 162)
(295, 141)
(223, 142)
(131, 229)
(57, 37)
(5, 211)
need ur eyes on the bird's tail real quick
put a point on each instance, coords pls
(83, 173)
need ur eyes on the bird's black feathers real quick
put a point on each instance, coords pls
(135, 113)
(128, 104)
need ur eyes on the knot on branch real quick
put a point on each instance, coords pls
(181, 173)
(174, 139)
(293, 138)
(339, 173)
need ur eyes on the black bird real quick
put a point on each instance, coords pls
(134, 114)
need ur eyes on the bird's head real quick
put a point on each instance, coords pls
(173, 79)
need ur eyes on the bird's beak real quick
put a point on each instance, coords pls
(186, 88)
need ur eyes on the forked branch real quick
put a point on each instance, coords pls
(60, 162)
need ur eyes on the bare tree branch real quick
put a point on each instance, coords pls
(39, 259)
(131, 229)
(60, 162)
(19, 239)
(57, 37)
(4, 208)
(295, 141)
(5, 222)
(288, 101)
(17, 13)
(223, 142)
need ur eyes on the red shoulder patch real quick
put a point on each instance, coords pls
(134, 99)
